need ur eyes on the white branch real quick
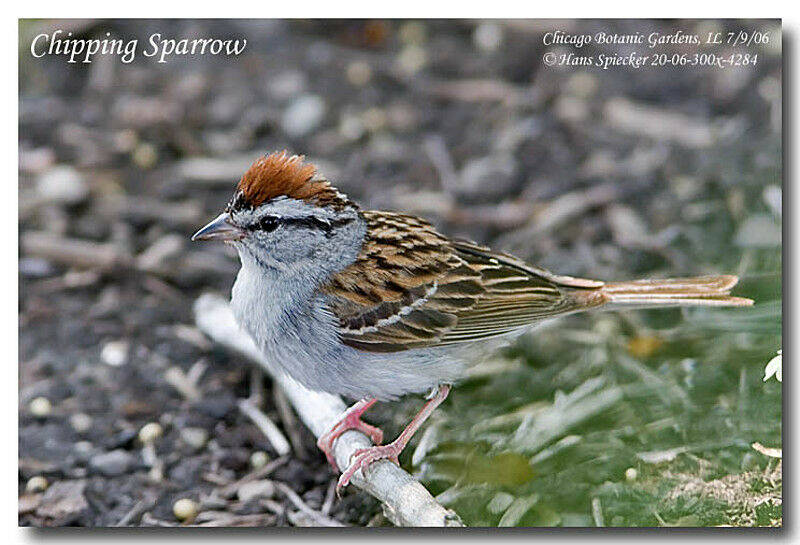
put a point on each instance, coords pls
(406, 502)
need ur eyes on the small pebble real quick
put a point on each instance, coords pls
(256, 489)
(159, 252)
(319, 52)
(150, 432)
(705, 27)
(351, 127)
(125, 141)
(194, 437)
(81, 422)
(83, 451)
(115, 353)
(36, 484)
(185, 509)
(40, 406)
(773, 47)
(631, 474)
(490, 176)
(359, 73)
(62, 184)
(385, 147)
(216, 405)
(145, 156)
(685, 187)
(412, 32)
(569, 108)
(36, 161)
(303, 115)
(488, 36)
(259, 459)
(581, 85)
(286, 85)
(374, 119)
(112, 464)
(402, 116)
(412, 59)
(36, 267)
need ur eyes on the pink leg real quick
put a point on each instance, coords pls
(364, 457)
(351, 420)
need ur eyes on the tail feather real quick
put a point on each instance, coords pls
(700, 290)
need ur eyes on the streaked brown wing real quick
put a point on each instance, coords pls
(411, 287)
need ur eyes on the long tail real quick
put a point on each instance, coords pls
(700, 290)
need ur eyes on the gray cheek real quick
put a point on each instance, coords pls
(280, 245)
(299, 244)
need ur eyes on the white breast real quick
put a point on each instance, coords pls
(299, 336)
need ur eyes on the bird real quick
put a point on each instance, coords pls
(375, 305)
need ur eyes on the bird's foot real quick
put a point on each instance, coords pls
(351, 420)
(364, 457)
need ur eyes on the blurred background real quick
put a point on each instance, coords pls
(620, 419)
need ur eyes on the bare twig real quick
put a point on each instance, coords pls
(318, 518)
(256, 386)
(659, 124)
(149, 520)
(267, 426)
(436, 149)
(223, 519)
(196, 372)
(151, 459)
(559, 212)
(289, 422)
(230, 489)
(136, 511)
(175, 377)
(211, 171)
(330, 495)
(406, 501)
(71, 251)
(476, 90)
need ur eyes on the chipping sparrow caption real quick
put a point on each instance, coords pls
(374, 305)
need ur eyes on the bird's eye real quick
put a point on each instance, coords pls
(268, 223)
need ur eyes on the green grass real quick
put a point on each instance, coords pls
(584, 423)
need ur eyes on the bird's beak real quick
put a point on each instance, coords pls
(220, 228)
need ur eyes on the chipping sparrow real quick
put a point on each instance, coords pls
(374, 305)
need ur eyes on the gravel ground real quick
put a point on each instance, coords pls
(584, 171)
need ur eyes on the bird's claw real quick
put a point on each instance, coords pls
(363, 458)
(326, 441)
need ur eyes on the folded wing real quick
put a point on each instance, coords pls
(411, 287)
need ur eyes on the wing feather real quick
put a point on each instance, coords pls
(411, 287)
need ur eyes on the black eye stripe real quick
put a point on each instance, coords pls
(312, 223)
(270, 223)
